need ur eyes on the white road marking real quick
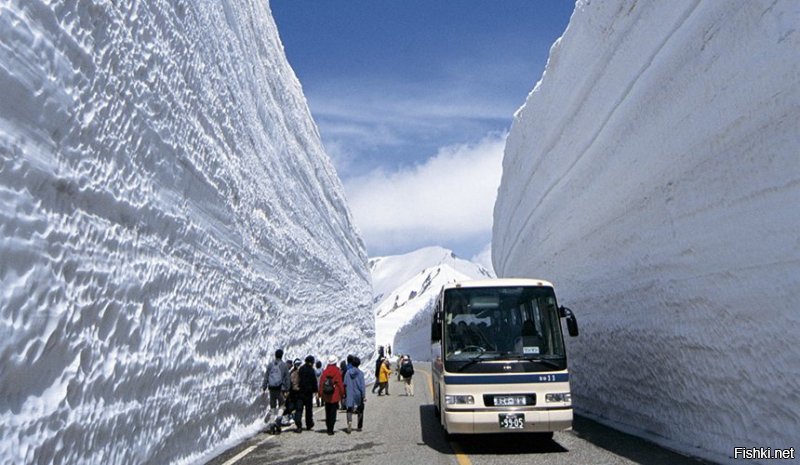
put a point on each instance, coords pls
(242, 454)
(250, 449)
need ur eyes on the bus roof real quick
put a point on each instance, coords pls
(500, 282)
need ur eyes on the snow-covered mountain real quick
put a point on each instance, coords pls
(404, 288)
(653, 176)
(168, 218)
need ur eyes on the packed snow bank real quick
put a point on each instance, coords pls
(169, 219)
(653, 175)
(405, 287)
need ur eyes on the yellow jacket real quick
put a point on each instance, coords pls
(383, 375)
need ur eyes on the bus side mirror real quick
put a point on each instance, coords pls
(572, 322)
(572, 325)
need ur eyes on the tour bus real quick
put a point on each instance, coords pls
(498, 358)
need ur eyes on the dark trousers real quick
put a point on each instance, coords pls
(330, 415)
(358, 411)
(305, 401)
(383, 387)
(275, 398)
(291, 403)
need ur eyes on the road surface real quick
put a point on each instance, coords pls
(401, 430)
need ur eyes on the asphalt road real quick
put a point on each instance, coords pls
(402, 430)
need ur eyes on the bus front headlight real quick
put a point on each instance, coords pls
(564, 397)
(459, 400)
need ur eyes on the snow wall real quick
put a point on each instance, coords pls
(169, 219)
(653, 175)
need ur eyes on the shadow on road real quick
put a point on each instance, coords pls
(507, 444)
(276, 453)
(432, 433)
(625, 445)
(493, 444)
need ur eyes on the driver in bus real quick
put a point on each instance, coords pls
(529, 342)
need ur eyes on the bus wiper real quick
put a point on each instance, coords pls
(472, 361)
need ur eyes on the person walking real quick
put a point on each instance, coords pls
(294, 391)
(406, 370)
(356, 395)
(276, 381)
(331, 389)
(344, 366)
(383, 377)
(399, 359)
(307, 382)
(378, 364)
(318, 373)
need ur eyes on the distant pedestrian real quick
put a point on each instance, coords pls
(406, 370)
(318, 373)
(383, 377)
(307, 381)
(388, 362)
(294, 392)
(276, 381)
(344, 366)
(331, 389)
(399, 358)
(378, 365)
(356, 394)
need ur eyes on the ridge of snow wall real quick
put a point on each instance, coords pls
(653, 176)
(169, 218)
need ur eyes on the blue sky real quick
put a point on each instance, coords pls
(413, 100)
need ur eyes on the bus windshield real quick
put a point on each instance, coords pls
(494, 323)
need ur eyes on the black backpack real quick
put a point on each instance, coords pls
(406, 370)
(327, 386)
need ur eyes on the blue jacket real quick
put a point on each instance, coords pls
(356, 388)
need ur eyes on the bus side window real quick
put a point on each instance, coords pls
(436, 327)
(436, 321)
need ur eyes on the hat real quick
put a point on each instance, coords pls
(332, 360)
(310, 359)
(297, 361)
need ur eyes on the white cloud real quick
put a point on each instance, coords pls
(393, 103)
(447, 199)
(484, 257)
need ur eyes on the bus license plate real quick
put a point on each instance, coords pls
(512, 420)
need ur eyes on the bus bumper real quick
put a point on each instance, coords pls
(536, 421)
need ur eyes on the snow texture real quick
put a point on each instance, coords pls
(168, 218)
(653, 176)
(405, 287)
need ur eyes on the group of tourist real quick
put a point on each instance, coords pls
(383, 372)
(293, 385)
